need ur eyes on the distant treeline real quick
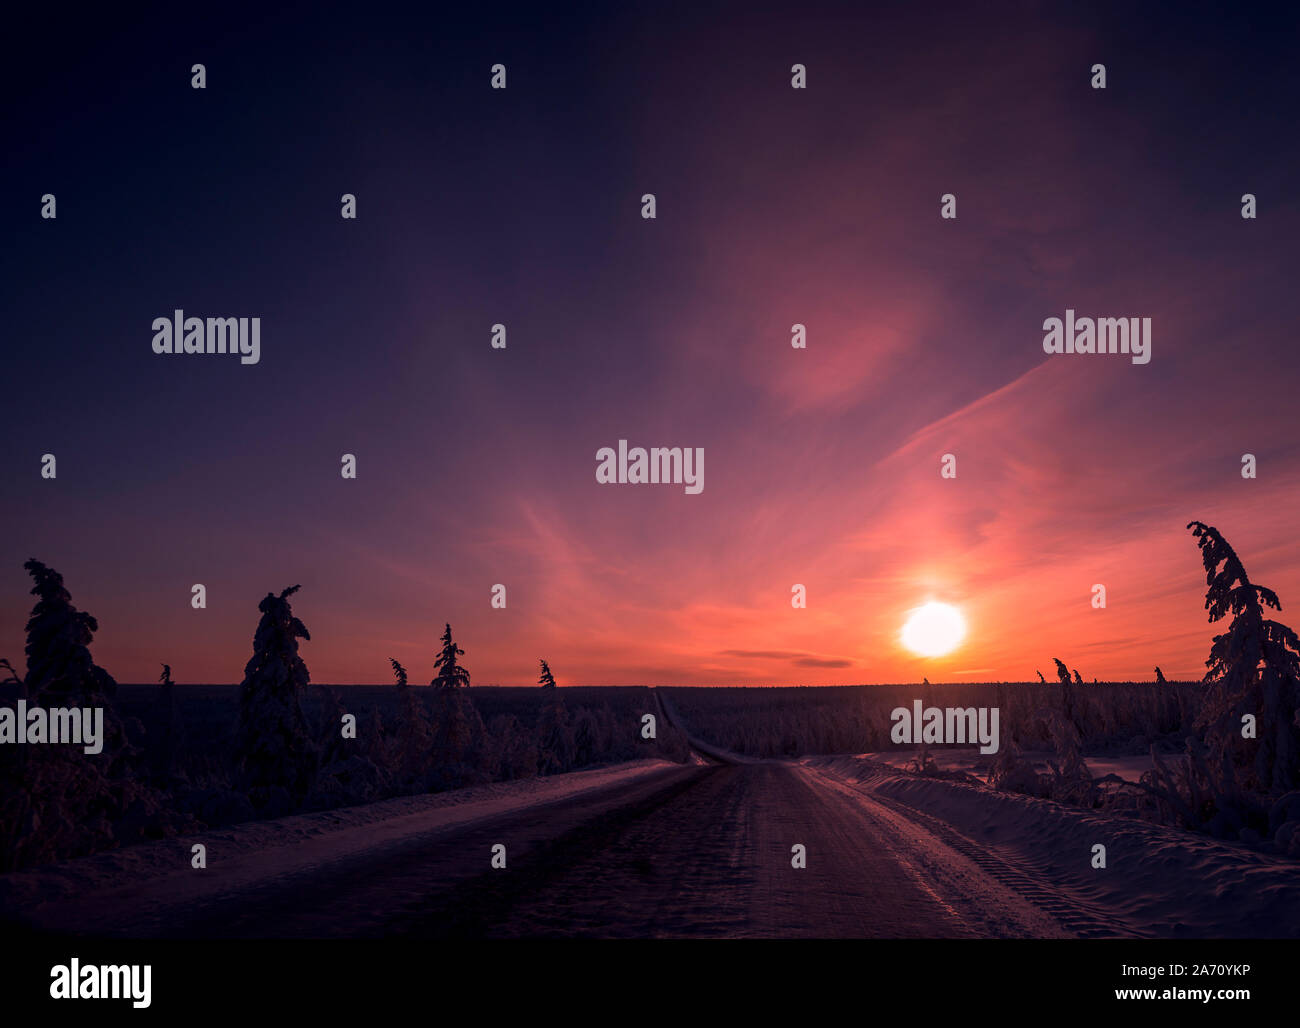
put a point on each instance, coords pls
(598, 726)
(791, 722)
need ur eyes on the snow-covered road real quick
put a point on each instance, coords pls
(652, 849)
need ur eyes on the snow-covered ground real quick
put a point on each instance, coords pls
(970, 760)
(1160, 881)
(245, 854)
(651, 848)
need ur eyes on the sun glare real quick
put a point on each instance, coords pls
(934, 629)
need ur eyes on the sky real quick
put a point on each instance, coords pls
(775, 206)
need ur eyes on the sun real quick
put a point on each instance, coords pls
(934, 629)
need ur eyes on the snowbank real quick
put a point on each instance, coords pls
(1163, 881)
(255, 850)
(970, 760)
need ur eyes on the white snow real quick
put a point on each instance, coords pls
(258, 850)
(1161, 881)
(970, 760)
(1025, 860)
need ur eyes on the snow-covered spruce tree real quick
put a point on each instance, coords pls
(1071, 781)
(413, 747)
(1070, 697)
(458, 728)
(555, 749)
(1011, 772)
(1006, 771)
(1253, 668)
(60, 671)
(586, 737)
(58, 801)
(346, 773)
(448, 672)
(274, 749)
(515, 750)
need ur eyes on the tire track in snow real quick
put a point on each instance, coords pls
(1074, 916)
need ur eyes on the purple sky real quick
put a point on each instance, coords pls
(820, 206)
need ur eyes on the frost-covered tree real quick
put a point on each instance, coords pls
(1070, 782)
(348, 772)
(1229, 780)
(1010, 771)
(1253, 668)
(515, 750)
(413, 746)
(586, 738)
(458, 728)
(56, 800)
(547, 681)
(60, 671)
(449, 674)
(273, 744)
(555, 747)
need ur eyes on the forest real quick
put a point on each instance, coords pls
(1224, 752)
